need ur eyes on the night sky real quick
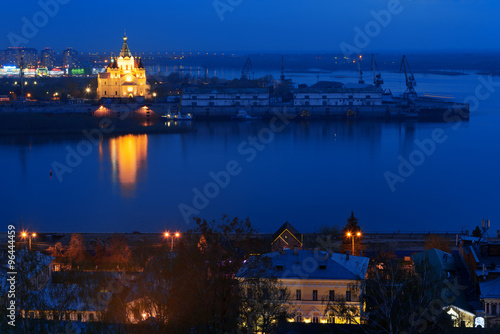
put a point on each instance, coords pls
(253, 25)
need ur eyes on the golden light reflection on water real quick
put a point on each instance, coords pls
(128, 156)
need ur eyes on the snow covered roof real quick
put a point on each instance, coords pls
(490, 289)
(439, 260)
(308, 264)
(70, 297)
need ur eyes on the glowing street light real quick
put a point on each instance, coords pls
(172, 235)
(26, 234)
(352, 235)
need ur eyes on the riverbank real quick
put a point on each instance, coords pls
(37, 123)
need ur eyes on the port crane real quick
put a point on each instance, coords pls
(377, 78)
(21, 78)
(410, 92)
(360, 81)
(247, 70)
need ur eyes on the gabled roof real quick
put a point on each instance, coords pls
(283, 228)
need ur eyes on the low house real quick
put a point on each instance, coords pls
(318, 282)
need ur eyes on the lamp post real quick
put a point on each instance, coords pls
(154, 95)
(32, 235)
(172, 235)
(352, 235)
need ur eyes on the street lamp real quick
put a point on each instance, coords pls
(32, 235)
(352, 235)
(176, 235)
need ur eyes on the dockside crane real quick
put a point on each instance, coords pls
(360, 81)
(377, 78)
(410, 92)
(21, 77)
(247, 70)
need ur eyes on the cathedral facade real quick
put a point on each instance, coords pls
(125, 77)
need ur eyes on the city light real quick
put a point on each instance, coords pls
(352, 235)
(172, 235)
(25, 234)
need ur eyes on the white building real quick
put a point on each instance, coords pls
(318, 279)
(225, 97)
(331, 94)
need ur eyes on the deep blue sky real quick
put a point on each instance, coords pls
(255, 25)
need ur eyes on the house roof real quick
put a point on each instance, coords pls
(490, 289)
(283, 228)
(71, 297)
(338, 87)
(441, 262)
(223, 90)
(290, 264)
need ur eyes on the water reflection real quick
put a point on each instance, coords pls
(128, 156)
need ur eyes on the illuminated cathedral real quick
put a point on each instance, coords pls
(125, 77)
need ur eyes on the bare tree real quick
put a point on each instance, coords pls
(265, 300)
(349, 312)
(402, 300)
